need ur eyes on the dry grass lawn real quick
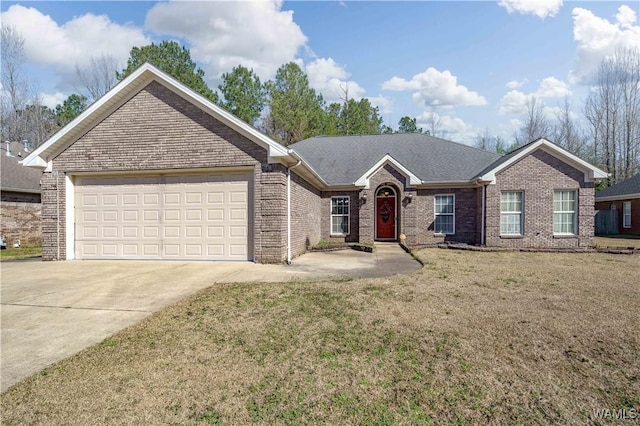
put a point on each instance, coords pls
(618, 241)
(490, 338)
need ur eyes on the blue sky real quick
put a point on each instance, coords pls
(473, 65)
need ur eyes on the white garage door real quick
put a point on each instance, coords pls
(183, 216)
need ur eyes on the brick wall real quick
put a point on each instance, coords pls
(53, 216)
(159, 130)
(20, 219)
(635, 214)
(355, 218)
(415, 216)
(465, 216)
(305, 215)
(538, 175)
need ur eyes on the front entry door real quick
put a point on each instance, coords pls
(386, 214)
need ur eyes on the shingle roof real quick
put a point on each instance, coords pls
(13, 175)
(341, 160)
(629, 186)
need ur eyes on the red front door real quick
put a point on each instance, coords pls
(386, 217)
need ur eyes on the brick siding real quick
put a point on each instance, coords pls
(305, 215)
(538, 175)
(20, 218)
(158, 130)
(635, 214)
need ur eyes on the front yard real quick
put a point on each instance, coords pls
(472, 337)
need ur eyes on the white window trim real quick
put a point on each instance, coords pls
(626, 214)
(331, 216)
(575, 212)
(435, 215)
(521, 213)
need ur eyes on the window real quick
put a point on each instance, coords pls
(511, 213)
(339, 215)
(626, 214)
(564, 212)
(444, 207)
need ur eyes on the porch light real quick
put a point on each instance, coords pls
(410, 195)
(364, 196)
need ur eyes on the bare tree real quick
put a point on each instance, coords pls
(613, 112)
(433, 122)
(566, 131)
(536, 125)
(484, 140)
(15, 93)
(99, 75)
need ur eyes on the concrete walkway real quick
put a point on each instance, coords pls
(52, 310)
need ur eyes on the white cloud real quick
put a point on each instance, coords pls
(383, 103)
(221, 35)
(598, 38)
(540, 8)
(448, 127)
(626, 16)
(515, 101)
(515, 84)
(52, 99)
(435, 88)
(63, 46)
(551, 87)
(332, 80)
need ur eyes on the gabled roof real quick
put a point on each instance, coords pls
(13, 176)
(590, 172)
(628, 188)
(349, 160)
(412, 179)
(126, 89)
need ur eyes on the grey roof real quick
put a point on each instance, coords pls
(13, 175)
(626, 187)
(341, 160)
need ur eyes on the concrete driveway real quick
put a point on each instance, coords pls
(52, 310)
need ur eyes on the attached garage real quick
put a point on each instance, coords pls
(153, 170)
(164, 216)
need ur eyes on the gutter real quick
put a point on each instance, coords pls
(289, 210)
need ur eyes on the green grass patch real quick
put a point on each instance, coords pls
(20, 253)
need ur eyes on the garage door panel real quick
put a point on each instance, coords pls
(110, 199)
(130, 232)
(110, 232)
(130, 250)
(163, 216)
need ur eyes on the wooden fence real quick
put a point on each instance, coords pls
(606, 222)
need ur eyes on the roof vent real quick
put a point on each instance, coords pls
(26, 145)
(8, 151)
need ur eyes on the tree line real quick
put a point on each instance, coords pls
(288, 109)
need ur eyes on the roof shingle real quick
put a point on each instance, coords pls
(629, 186)
(341, 160)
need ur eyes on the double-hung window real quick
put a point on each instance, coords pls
(511, 213)
(626, 214)
(339, 215)
(444, 220)
(564, 212)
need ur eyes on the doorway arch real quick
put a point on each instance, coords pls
(386, 214)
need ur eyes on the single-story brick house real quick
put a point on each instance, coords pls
(19, 197)
(155, 171)
(624, 197)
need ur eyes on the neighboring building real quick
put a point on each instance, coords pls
(154, 170)
(19, 197)
(624, 199)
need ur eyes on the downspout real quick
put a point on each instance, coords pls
(289, 210)
(484, 194)
(58, 215)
